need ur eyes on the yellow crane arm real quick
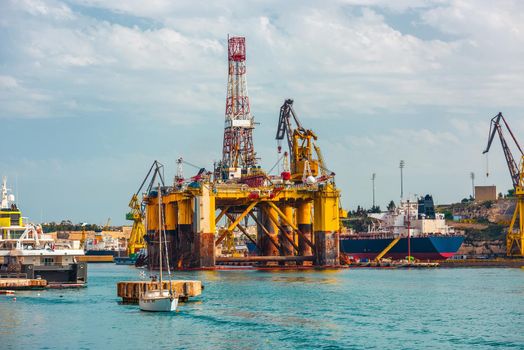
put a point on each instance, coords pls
(320, 158)
(138, 231)
(387, 249)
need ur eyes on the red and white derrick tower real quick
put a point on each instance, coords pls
(238, 154)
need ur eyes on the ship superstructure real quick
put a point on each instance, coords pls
(10, 215)
(418, 216)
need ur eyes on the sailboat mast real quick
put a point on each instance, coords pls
(160, 232)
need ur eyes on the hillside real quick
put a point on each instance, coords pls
(484, 225)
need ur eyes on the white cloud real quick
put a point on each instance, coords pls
(8, 82)
(50, 8)
(355, 59)
(427, 98)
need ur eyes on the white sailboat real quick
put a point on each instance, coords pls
(160, 300)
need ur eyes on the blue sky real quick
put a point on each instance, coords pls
(92, 91)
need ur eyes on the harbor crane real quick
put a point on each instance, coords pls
(301, 143)
(515, 235)
(137, 214)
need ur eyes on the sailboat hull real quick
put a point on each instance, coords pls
(158, 301)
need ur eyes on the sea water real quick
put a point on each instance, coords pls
(342, 309)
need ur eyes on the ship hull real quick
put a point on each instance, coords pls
(105, 252)
(422, 248)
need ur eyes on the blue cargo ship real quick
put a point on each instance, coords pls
(429, 236)
(432, 247)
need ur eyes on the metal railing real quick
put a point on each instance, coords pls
(13, 275)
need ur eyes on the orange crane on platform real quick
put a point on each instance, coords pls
(515, 235)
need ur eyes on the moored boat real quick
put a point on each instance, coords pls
(26, 252)
(420, 232)
(160, 300)
(431, 247)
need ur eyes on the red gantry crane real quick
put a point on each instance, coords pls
(515, 236)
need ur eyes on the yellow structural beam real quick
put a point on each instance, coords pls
(284, 234)
(236, 222)
(243, 230)
(387, 249)
(290, 223)
(241, 216)
(265, 230)
(222, 213)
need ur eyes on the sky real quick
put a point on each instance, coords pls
(93, 91)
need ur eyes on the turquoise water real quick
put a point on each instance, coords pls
(350, 309)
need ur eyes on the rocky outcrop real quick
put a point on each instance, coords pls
(483, 248)
(499, 211)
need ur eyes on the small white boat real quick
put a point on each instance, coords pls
(158, 300)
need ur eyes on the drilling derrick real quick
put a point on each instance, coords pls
(238, 155)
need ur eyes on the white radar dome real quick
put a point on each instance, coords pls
(310, 180)
(11, 198)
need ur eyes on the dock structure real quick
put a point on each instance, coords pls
(22, 284)
(130, 291)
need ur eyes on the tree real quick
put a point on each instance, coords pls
(391, 206)
(374, 209)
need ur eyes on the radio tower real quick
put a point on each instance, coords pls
(238, 152)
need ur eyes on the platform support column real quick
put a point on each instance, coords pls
(287, 247)
(171, 217)
(184, 234)
(304, 225)
(326, 226)
(152, 232)
(264, 242)
(204, 229)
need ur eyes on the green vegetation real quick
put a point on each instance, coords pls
(488, 204)
(448, 215)
(359, 219)
(67, 225)
(358, 223)
(391, 206)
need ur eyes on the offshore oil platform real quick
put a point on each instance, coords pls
(296, 213)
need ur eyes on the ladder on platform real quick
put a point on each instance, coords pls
(387, 249)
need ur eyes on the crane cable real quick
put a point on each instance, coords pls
(278, 162)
